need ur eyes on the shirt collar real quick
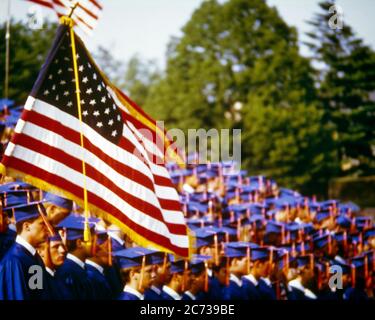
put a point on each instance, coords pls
(296, 283)
(267, 281)
(12, 227)
(50, 271)
(209, 272)
(134, 292)
(156, 290)
(26, 245)
(252, 279)
(189, 294)
(95, 265)
(235, 279)
(172, 293)
(76, 260)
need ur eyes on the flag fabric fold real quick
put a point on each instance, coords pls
(126, 180)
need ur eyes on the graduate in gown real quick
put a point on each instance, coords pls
(162, 273)
(53, 253)
(20, 277)
(138, 272)
(95, 268)
(73, 271)
(177, 282)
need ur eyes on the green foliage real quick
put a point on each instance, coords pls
(290, 145)
(347, 80)
(28, 50)
(237, 51)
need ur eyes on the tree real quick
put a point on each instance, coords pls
(298, 151)
(346, 88)
(28, 50)
(236, 51)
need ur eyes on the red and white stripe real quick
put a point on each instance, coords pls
(85, 15)
(122, 179)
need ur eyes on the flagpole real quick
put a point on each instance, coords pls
(69, 22)
(7, 39)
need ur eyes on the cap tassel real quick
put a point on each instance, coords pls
(366, 267)
(345, 235)
(50, 229)
(271, 255)
(216, 248)
(248, 260)
(142, 273)
(206, 277)
(86, 231)
(329, 244)
(353, 275)
(312, 261)
(110, 262)
(2, 222)
(238, 229)
(227, 279)
(184, 281)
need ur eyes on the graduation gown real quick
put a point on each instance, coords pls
(217, 291)
(76, 280)
(56, 288)
(250, 290)
(235, 291)
(266, 292)
(151, 294)
(15, 276)
(127, 296)
(101, 288)
(7, 239)
(113, 277)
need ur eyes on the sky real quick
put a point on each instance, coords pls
(144, 27)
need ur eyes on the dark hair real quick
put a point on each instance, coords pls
(71, 245)
(19, 225)
(125, 274)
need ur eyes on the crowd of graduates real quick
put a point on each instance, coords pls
(251, 240)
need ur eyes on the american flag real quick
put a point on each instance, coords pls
(85, 15)
(125, 182)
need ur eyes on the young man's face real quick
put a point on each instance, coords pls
(37, 231)
(148, 276)
(57, 253)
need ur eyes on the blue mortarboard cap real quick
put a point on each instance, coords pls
(274, 227)
(197, 263)
(17, 197)
(178, 266)
(369, 233)
(321, 241)
(58, 201)
(6, 102)
(257, 220)
(26, 212)
(361, 222)
(133, 257)
(55, 237)
(320, 216)
(259, 254)
(340, 236)
(303, 260)
(303, 245)
(16, 185)
(75, 226)
(343, 221)
(196, 206)
(157, 257)
(235, 251)
(358, 261)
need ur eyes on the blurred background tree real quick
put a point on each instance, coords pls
(346, 82)
(28, 50)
